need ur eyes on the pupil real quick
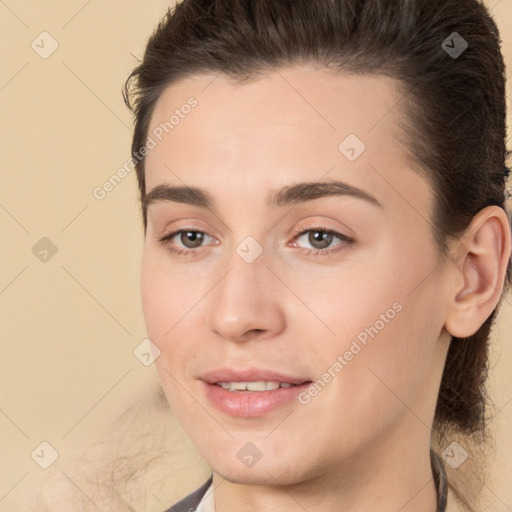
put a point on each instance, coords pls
(324, 239)
(193, 236)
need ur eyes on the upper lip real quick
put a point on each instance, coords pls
(248, 375)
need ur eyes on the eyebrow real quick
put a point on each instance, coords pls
(291, 194)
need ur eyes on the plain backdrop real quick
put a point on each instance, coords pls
(70, 310)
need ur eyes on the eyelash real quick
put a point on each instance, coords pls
(165, 240)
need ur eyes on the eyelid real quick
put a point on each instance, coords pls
(166, 238)
(318, 226)
(345, 240)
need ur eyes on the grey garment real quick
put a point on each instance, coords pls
(440, 480)
(191, 502)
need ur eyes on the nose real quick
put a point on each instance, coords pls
(246, 302)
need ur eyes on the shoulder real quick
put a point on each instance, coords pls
(190, 502)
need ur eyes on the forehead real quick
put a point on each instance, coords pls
(294, 122)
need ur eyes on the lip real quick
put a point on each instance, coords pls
(249, 375)
(250, 404)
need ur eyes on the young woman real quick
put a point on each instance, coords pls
(322, 185)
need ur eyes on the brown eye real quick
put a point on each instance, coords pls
(321, 239)
(191, 239)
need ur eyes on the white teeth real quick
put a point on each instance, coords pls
(234, 386)
(254, 386)
(271, 385)
(261, 385)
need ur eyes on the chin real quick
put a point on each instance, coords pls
(261, 476)
(264, 472)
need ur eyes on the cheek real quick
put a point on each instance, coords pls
(399, 360)
(161, 304)
(167, 302)
(164, 296)
(151, 291)
(382, 325)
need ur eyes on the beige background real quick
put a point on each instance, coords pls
(69, 325)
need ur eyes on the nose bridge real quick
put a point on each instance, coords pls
(248, 248)
(241, 300)
(244, 273)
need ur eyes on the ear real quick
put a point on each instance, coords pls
(479, 260)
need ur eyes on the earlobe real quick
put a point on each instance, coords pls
(482, 258)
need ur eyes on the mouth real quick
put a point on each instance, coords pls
(254, 377)
(251, 393)
(255, 386)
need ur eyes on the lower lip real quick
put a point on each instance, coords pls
(250, 404)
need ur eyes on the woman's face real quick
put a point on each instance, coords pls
(338, 288)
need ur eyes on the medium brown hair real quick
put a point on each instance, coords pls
(454, 111)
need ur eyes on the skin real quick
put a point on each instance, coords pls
(363, 442)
